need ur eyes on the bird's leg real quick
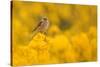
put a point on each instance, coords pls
(45, 33)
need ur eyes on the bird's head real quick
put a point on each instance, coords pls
(44, 18)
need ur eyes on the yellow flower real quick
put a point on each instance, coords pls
(54, 30)
(82, 45)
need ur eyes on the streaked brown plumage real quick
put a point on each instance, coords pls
(42, 26)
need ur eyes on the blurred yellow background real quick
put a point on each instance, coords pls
(71, 37)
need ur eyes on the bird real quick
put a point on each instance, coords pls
(42, 27)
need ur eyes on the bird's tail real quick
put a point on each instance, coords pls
(34, 30)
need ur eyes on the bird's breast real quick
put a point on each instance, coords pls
(44, 26)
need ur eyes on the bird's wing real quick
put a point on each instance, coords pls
(37, 26)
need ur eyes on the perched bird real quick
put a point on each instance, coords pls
(42, 27)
